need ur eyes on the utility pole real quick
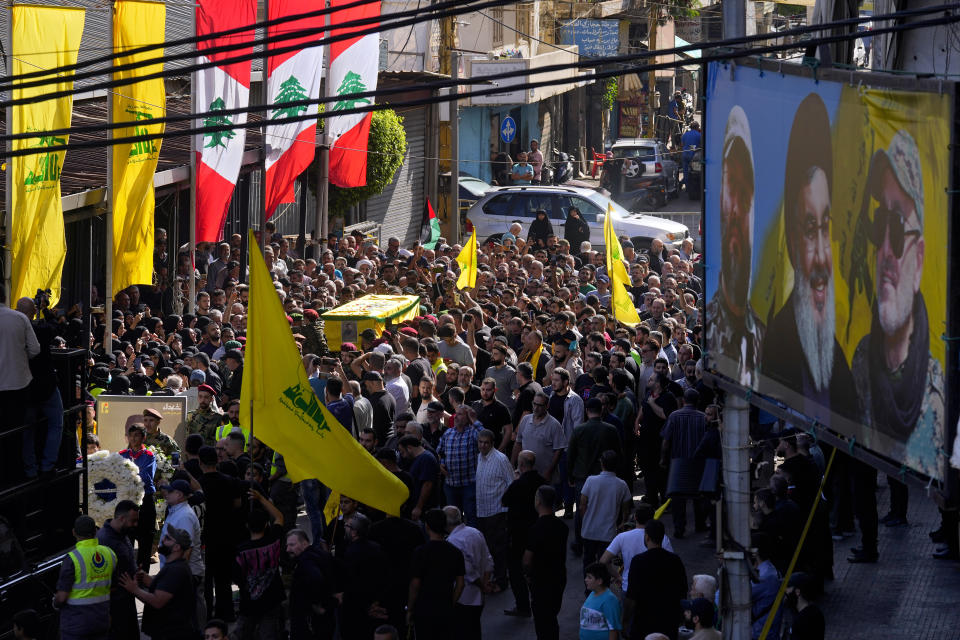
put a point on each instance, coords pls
(192, 301)
(736, 453)
(653, 21)
(455, 150)
(322, 221)
(264, 240)
(8, 174)
(108, 285)
(736, 481)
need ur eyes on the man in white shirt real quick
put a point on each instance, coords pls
(494, 475)
(535, 157)
(180, 515)
(396, 386)
(629, 544)
(18, 344)
(478, 564)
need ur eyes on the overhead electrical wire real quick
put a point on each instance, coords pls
(727, 54)
(458, 9)
(450, 8)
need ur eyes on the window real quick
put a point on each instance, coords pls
(515, 206)
(588, 210)
(644, 154)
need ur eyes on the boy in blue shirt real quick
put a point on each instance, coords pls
(600, 613)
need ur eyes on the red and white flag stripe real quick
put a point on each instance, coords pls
(294, 75)
(227, 86)
(354, 64)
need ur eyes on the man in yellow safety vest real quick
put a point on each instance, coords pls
(83, 588)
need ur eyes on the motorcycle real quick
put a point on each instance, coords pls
(563, 170)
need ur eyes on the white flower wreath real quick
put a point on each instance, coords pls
(164, 474)
(110, 479)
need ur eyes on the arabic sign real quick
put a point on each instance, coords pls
(827, 234)
(595, 38)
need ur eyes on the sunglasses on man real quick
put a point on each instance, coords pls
(885, 219)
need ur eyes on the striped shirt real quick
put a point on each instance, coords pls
(684, 429)
(494, 475)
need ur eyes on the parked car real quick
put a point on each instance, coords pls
(641, 164)
(493, 214)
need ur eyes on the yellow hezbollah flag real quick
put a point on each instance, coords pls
(331, 510)
(277, 401)
(43, 38)
(623, 308)
(468, 263)
(135, 24)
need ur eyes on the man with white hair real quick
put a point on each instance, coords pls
(800, 349)
(735, 332)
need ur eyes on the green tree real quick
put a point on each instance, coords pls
(387, 147)
(352, 83)
(290, 90)
(217, 137)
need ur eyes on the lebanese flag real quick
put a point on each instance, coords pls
(354, 64)
(227, 86)
(294, 75)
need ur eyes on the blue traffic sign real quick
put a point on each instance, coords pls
(508, 130)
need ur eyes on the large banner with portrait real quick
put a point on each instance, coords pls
(826, 242)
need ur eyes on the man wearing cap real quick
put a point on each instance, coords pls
(147, 464)
(205, 419)
(800, 350)
(170, 610)
(735, 334)
(233, 359)
(155, 437)
(312, 330)
(83, 586)
(181, 515)
(900, 384)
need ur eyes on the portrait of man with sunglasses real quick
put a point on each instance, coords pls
(735, 332)
(899, 383)
(800, 350)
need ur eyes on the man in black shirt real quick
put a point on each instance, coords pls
(220, 527)
(399, 538)
(657, 584)
(493, 414)
(115, 533)
(384, 406)
(419, 366)
(808, 622)
(258, 572)
(365, 596)
(169, 596)
(436, 582)
(521, 515)
(544, 563)
(527, 390)
(315, 590)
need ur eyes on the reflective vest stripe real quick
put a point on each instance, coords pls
(89, 599)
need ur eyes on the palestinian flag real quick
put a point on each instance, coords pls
(429, 228)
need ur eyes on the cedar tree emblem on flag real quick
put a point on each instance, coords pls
(290, 91)
(217, 137)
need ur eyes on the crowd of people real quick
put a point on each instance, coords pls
(521, 416)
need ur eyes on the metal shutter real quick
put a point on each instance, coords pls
(399, 209)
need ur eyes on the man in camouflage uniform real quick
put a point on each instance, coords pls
(204, 419)
(155, 437)
(312, 330)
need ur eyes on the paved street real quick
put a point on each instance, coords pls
(907, 594)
